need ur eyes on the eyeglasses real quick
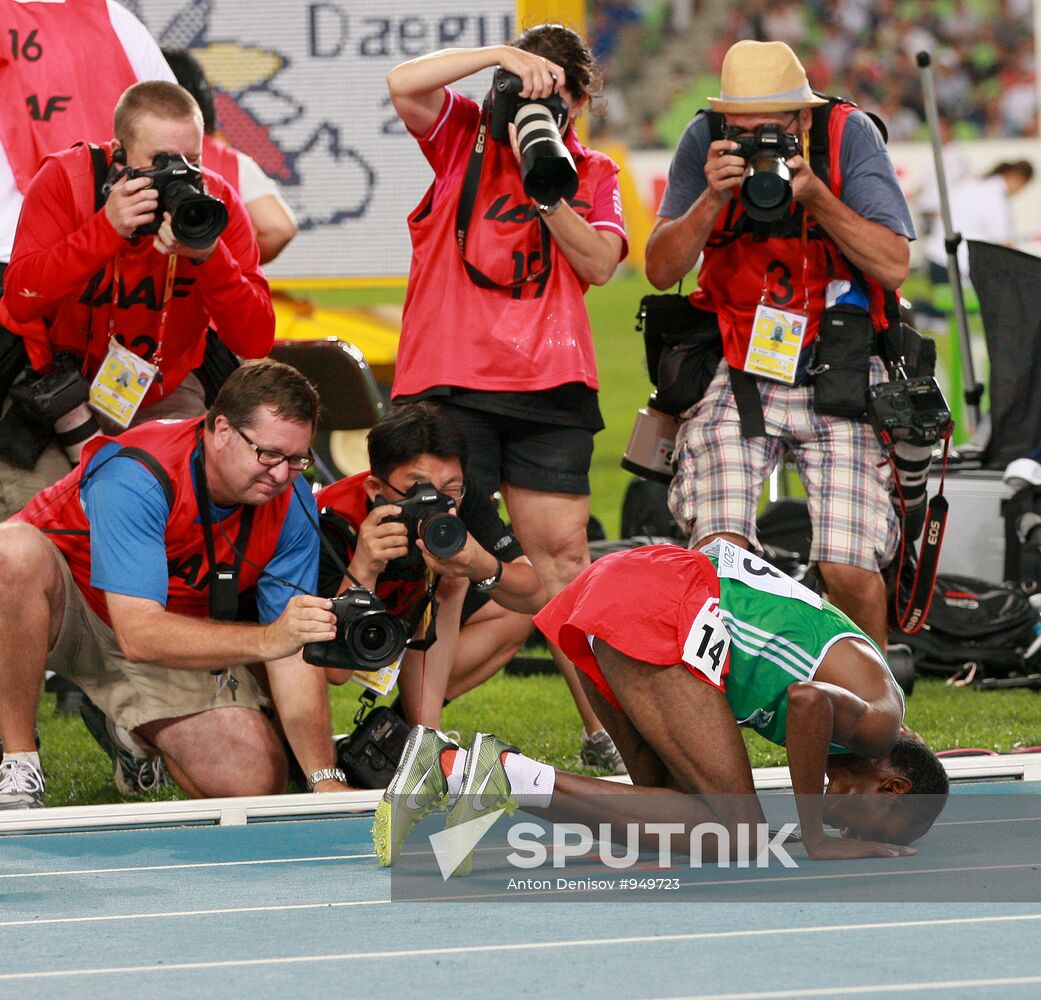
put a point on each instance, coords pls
(270, 458)
(455, 492)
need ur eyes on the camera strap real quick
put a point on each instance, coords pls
(912, 617)
(224, 581)
(464, 213)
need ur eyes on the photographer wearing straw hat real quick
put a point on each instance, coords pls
(766, 279)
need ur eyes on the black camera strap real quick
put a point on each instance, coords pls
(224, 582)
(464, 213)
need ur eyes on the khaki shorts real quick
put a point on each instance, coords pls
(131, 694)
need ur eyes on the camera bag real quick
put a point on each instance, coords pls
(683, 347)
(370, 754)
(842, 362)
(974, 629)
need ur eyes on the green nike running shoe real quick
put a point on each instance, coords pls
(417, 788)
(485, 793)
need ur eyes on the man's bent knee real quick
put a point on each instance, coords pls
(224, 752)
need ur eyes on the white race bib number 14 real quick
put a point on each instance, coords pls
(708, 643)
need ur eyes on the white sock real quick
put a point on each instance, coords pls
(531, 781)
(29, 757)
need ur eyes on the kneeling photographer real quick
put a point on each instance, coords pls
(408, 528)
(125, 256)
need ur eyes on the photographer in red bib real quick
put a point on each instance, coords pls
(126, 254)
(125, 578)
(787, 262)
(520, 220)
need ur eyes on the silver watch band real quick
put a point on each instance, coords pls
(326, 774)
(489, 584)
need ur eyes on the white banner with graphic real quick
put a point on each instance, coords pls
(301, 87)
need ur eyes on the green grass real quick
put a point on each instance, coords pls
(537, 715)
(623, 377)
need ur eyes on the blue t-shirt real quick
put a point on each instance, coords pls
(869, 184)
(128, 511)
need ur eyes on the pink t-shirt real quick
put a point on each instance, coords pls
(509, 340)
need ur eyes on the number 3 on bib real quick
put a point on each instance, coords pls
(708, 643)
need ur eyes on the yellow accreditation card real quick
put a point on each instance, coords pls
(381, 681)
(775, 344)
(121, 384)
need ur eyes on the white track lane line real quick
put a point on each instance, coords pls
(891, 989)
(381, 956)
(197, 864)
(336, 904)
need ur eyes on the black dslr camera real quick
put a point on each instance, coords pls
(425, 512)
(766, 190)
(911, 410)
(367, 635)
(546, 167)
(45, 398)
(197, 219)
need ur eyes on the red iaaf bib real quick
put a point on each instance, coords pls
(734, 271)
(455, 333)
(58, 512)
(62, 71)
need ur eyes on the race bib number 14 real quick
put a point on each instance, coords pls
(708, 643)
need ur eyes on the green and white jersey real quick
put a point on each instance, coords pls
(779, 630)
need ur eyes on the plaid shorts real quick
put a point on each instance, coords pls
(720, 474)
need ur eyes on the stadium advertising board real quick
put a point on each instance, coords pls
(301, 88)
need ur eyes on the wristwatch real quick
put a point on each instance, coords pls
(547, 209)
(487, 586)
(326, 774)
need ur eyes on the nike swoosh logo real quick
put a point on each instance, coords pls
(412, 803)
(479, 805)
(535, 783)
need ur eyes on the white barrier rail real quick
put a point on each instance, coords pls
(257, 809)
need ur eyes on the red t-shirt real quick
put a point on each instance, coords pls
(55, 93)
(455, 333)
(58, 286)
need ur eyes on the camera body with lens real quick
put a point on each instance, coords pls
(546, 166)
(196, 218)
(766, 188)
(425, 512)
(911, 410)
(368, 636)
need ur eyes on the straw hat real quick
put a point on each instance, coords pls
(762, 77)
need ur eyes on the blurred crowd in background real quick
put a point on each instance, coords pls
(661, 59)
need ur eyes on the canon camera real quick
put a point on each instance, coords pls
(425, 513)
(912, 410)
(546, 167)
(196, 218)
(368, 636)
(766, 188)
